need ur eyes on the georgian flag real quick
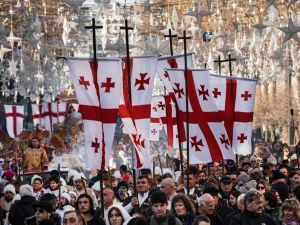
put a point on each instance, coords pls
(98, 96)
(54, 113)
(208, 139)
(14, 115)
(136, 111)
(235, 98)
(155, 122)
(37, 114)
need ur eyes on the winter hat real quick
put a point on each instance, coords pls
(43, 205)
(36, 177)
(72, 173)
(72, 193)
(10, 188)
(54, 178)
(68, 208)
(158, 197)
(66, 196)
(78, 176)
(63, 182)
(243, 178)
(9, 175)
(26, 190)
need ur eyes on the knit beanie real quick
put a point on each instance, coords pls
(66, 196)
(10, 188)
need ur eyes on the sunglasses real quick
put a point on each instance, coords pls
(260, 188)
(40, 210)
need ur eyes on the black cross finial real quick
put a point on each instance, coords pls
(184, 38)
(171, 36)
(219, 61)
(93, 28)
(127, 28)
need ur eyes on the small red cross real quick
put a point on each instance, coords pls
(216, 92)
(154, 131)
(242, 138)
(203, 92)
(154, 108)
(83, 82)
(224, 140)
(196, 143)
(142, 81)
(161, 105)
(137, 140)
(166, 74)
(177, 90)
(96, 145)
(108, 85)
(246, 95)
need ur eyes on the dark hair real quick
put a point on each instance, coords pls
(186, 201)
(50, 198)
(235, 193)
(84, 195)
(270, 196)
(296, 192)
(140, 177)
(137, 221)
(79, 216)
(30, 143)
(201, 218)
(118, 211)
(123, 168)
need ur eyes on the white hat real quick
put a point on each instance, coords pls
(71, 173)
(63, 182)
(68, 208)
(10, 188)
(73, 193)
(78, 176)
(34, 177)
(96, 186)
(66, 196)
(26, 190)
(294, 157)
(117, 174)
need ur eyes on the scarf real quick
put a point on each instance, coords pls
(292, 221)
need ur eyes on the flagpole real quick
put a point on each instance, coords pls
(127, 28)
(170, 36)
(95, 64)
(59, 185)
(186, 109)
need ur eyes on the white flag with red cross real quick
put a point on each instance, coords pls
(155, 122)
(54, 113)
(37, 114)
(14, 115)
(235, 98)
(98, 97)
(136, 112)
(167, 114)
(208, 139)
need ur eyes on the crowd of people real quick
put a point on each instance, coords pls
(263, 188)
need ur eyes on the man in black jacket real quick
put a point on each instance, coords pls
(23, 208)
(252, 215)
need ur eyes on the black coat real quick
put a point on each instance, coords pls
(20, 210)
(144, 208)
(250, 218)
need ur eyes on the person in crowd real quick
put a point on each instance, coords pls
(117, 215)
(296, 192)
(22, 208)
(201, 178)
(43, 211)
(262, 186)
(168, 186)
(64, 201)
(35, 157)
(290, 212)
(51, 199)
(73, 198)
(121, 191)
(240, 208)
(159, 207)
(37, 184)
(253, 213)
(271, 207)
(279, 184)
(137, 221)
(108, 200)
(73, 217)
(80, 188)
(284, 169)
(194, 193)
(226, 187)
(183, 208)
(141, 202)
(294, 179)
(206, 207)
(233, 199)
(54, 186)
(8, 199)
(85, 205)
(202, 220)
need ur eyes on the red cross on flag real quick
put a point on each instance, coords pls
(235, 98)
(155, 122)
(136, 113)
(37, 114)
(14, 115)
(208, 139)
(98, 97)
(54, 113)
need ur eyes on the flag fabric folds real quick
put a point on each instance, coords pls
(14, 115)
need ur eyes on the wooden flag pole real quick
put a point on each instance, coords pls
(59, 185)
(185, 38)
